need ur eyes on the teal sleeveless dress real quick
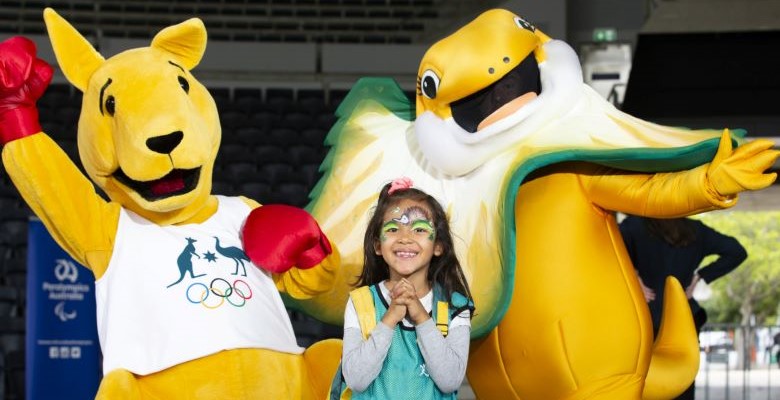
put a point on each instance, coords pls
(404, 375)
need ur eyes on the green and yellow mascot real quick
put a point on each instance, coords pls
(182, 312)
(531, 165)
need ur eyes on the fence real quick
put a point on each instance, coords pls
(739, 362)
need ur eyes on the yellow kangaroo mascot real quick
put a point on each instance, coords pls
(182, 312)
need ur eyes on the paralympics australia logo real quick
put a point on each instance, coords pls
(65, 289)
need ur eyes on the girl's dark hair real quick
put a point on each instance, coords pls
(444, 269)
(677, 232)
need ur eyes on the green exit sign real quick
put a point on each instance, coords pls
(604, 34)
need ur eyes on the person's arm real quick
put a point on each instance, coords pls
(362, 360)
(730, 254)
(445, 358)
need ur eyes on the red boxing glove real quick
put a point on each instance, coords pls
(23, 79)
(277, 237)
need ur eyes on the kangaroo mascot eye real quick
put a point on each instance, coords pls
(184, 84)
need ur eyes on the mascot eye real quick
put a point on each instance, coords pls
(110, 105)
(429, 84)
(521, 23)
(184, 84)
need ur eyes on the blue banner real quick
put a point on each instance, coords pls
(63, 352)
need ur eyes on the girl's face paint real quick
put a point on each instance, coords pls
(425, 227)
(408, 241)
(415, 218)
(388, 227)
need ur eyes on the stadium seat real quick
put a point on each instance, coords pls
(295, 194)
(15, 376)
(296, 120)
(13, 232)
(304, 154)
(277, 174)
(281, 137)
(248, 105)
(235, 152)
(231, 120)
(11, 334)
(238, 173)
(9, 299)
(250, 135)
(311, 175)
(269, 154)
(258, 191)
(222, 187)
(314, 137)
(15, 273)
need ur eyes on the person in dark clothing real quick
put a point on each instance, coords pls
(676, 247)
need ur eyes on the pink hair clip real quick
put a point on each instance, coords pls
(401, 183)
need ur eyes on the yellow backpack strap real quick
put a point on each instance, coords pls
(363, 301)
(443, 317)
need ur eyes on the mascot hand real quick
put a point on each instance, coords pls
(23, 79)
(731, 172)
(277, 237)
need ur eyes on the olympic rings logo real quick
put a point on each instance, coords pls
(223, 290)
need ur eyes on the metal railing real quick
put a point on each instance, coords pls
(739, 362)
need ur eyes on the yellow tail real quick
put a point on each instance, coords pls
(675, 359)
(322, 359)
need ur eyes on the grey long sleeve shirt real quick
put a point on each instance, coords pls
(445, 358)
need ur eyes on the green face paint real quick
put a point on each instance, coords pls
(388, 227)
(426, 227)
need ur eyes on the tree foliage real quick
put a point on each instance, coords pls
(754, 287)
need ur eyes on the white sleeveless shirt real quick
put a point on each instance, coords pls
(172, 294)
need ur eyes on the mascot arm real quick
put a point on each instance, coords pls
(287, 242)
(307, 283)
(80, 221)
(672, 194)
(65, 200)
(250, 202)
(675, 194)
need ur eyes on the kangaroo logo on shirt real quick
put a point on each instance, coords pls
(185, 261)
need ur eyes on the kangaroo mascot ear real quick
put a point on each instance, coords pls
(75, 55)
(185, 41)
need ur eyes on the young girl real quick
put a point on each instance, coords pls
(410, 265)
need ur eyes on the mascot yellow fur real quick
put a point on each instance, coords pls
(531, 164)
(182, 313)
